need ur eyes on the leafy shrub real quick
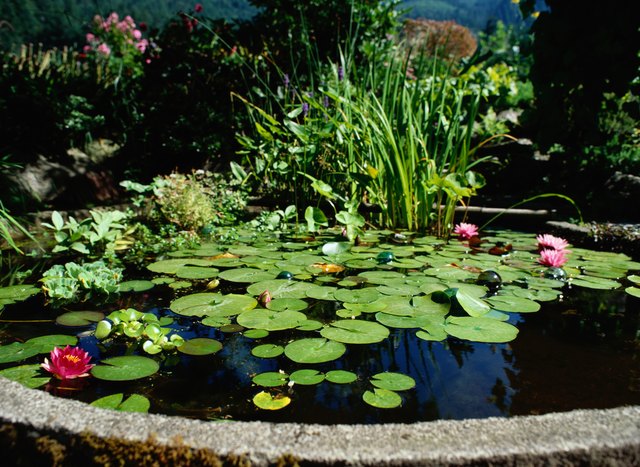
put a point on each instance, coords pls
(102, 234)
(444, 39)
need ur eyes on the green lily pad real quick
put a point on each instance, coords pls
(474, 306)
(287, 304)
(134, 403)
(310, 325)
(633, 291)
(634, 278)
(17, 293)
(79, 318)
(27, 375)
(382, 399)
(393, 381)
(200, 346)
(180, 285)
(45, 344)
(196, 272)
(355, 331)
(216, 321)
(590, 282)
(402, 322)
(267, 351)
(380, 277)
(135, 286)
(340, 376)
(371, 307)
(125, 368)
(17, 351)
(212, 304)
(270, 379)
(324, 292)
(314, 350)
(255, 333)
(162, 280)
(171, 266)
(513, 304)
(281, 288)
(264, 400)
(480, 329)
(364, 295)
(307, 377)
(271, 320)
(246, 275)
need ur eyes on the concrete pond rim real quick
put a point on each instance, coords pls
(607, 436)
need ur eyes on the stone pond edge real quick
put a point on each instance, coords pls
(31, 419)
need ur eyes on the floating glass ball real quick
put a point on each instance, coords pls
(557, 274)
(284, 275)
(489, 278)
(385, 257)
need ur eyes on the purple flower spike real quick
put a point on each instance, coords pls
(340, 73)
(305, 109)
(285, 80)
(325, 102)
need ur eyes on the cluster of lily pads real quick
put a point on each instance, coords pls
(304, 301)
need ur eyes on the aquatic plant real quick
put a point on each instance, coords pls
(466, 231)
(68, 363)
(550, 242)
(69, 281)
(553, 258)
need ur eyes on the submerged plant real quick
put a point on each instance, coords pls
(68, 363)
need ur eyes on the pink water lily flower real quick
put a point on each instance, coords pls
(549, 242)
(465, 230)
(68, 363)
(553, 258)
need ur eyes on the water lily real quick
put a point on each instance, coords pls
(465, 230)
(553, 258)
(68, 363)
(264, 298)
(549, 242)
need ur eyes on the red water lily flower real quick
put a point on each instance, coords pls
(68, 363)
(553, 258)
(465, 230)
(549, 242)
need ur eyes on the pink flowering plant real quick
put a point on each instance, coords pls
(68, 363)
(118, 43)
(553, 258)
(549, 242)
(466, 231)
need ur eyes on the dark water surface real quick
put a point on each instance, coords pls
(581, 352)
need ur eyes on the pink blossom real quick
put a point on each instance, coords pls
(68, 363)
(86, 48)
(123, 26)
(142, 45)
(113, 18)
(553, 258)
(465, 230)
(104, 49)
(90, 37)
(137, 34)
(547, 241)
(198, 7)
(264, 298)
(129, 20)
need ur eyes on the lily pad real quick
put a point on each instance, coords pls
(340, 376)
(474, 306)
(135, 286)
(513, 304)
(200, 346)
(134, 403)
(271, 320)
(281, 288)
(196, 272)
(633, 291)
(212, 304)
(264, 400)
(306, 377)
(180, 285)
(246, 275)
(79, 318)
(255, 333)
(287, 304)
(314, 350)
(591, 282)
(267, 351)
(48, 342)
(270, 379)
(216, 321)
(17, 293)
(355, 331)
(393, 381)
(125, 368)
(364, 295)
(382, 399)
(335, 248)
(171, 266)
(27, 375)
(480, 329)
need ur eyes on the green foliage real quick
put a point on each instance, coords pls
(73, 281)
(8, 224)
(194, 202)
(153, 332)
(100, 235)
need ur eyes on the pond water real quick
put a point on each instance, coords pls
(580, 349)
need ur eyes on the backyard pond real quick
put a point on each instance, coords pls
(285, 328)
